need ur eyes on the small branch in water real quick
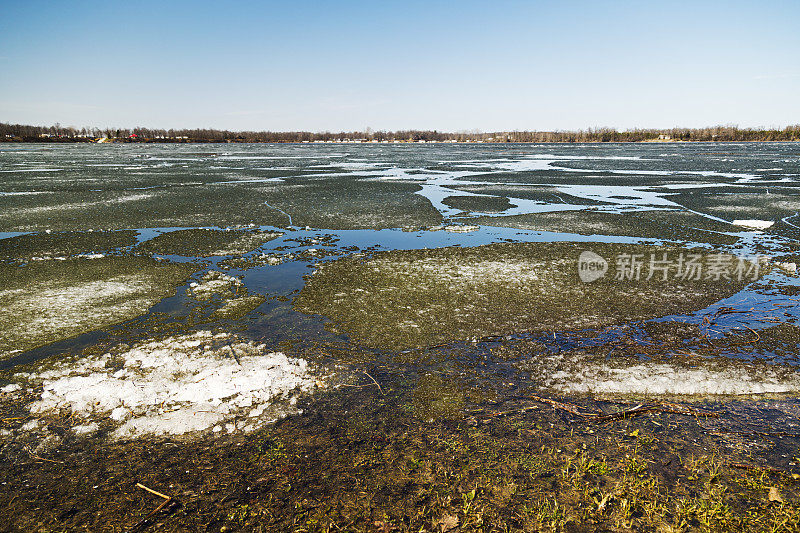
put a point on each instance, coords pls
(151, 491)
(758, 337)
(375, 382)
(38, 458)
(573, 409)
(667, 407)
(745, 466)
(168, 501)
(663, 407)
(723, 432)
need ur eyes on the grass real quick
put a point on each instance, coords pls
(47, 301)
(64, 244)
(206, 242)
(406, 299)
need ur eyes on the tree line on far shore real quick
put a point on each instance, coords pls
(58, 133)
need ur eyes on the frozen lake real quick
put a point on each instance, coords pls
(120, 259)
(81, 187)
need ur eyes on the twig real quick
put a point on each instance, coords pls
(435, 346)
(640, 409)
(563, 406)
(375, 382)
(723, 432)
(152, 513)
(628, 413)
(758, 337)
(151, 491)
(38, 458)
(167, 501)
(668, 407)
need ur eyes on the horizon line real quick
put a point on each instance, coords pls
(370, 130)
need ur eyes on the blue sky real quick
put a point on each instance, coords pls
(453, 66)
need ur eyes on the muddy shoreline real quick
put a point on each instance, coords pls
(353, 463)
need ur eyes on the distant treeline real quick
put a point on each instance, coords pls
(58, 133)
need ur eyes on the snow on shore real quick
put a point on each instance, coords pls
(213, 283)
(754, 224)
(577, 373)
(174, 386)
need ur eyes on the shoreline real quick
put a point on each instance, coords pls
(148, 141)
(353, 462)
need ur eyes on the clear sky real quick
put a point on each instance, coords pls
(453, 66)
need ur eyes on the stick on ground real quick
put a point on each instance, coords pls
(168, 501)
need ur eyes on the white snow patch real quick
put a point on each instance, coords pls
(461, 229)
(85, 428)
(175, 385)
(34, 170)
(214, 282)
(130, 198)
(580, 374)
(754, 224)
(120, 413)
(49, 309)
